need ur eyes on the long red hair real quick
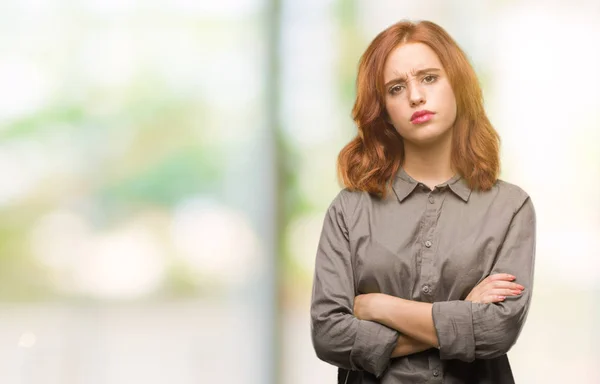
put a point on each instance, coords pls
(372, 159)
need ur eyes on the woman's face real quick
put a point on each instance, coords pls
(419, 100)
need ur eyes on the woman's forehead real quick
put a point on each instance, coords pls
(409, 59)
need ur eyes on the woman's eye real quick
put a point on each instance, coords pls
(429, 79)
(396, 88)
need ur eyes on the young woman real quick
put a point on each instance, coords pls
(425, 264)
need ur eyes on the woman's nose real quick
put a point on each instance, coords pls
(416, 97)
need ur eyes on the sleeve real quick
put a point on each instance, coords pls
(338, 337)
(468, 331)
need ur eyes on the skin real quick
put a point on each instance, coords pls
(415, 80)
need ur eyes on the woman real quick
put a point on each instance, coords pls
(425, 264)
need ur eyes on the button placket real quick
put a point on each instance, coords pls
(427, 255)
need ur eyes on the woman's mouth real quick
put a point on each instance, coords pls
(421, 117)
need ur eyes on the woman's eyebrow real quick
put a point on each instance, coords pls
(402, 79)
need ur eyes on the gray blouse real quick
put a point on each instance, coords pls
(430, 246)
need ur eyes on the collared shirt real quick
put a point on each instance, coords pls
(430, 246)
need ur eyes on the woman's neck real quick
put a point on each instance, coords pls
(430, 165)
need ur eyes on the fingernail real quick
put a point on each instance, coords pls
(502, 297)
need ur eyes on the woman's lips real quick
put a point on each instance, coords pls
(422, 118)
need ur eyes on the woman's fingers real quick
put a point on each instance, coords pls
(501, 284)
(501, 276)
(505, 284)
(497, 295)
(495, 288)
(505, 292)
(497, 278)
(488, 299)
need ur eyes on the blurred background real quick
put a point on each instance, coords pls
(166, 165)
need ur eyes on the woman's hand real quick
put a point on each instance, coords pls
(495, 288)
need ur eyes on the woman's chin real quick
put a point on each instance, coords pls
(427, 137)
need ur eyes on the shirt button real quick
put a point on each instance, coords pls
(428, 243)
(426, 289)
(431, 199)
(436, 373)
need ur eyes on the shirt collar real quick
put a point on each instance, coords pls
(459, 186)
(404, 185)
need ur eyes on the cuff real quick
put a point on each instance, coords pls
(373, 347)
(453, 322)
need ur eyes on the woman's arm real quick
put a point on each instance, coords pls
(338, 337)
(393, 312)
(406, 345)
(468, 329)
(411, 318)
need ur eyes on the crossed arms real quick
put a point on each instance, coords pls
(366, 331)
